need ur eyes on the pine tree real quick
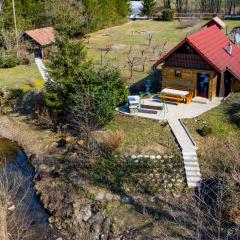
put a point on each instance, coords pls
(148, 7)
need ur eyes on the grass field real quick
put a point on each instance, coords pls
(224, 141)
(19, 77)
(142, 136)
(135, 34)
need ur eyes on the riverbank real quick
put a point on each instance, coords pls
(34, 141)
(57, 183)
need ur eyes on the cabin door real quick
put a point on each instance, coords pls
(38, 52)
(203, 85)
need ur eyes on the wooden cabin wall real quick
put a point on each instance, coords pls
(236, 86)
(213, 86)
(191, 61)
(188, 79)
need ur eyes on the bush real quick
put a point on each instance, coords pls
(26, 88)
(168, 14)
(24, 61)
(8, 61)
(36, 83)
(112, 141)
(39, 83)
(15, 93)
(205, 131)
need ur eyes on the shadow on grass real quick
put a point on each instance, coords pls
(140, 85)
(115, 175)
(25, 103)
(233, 111)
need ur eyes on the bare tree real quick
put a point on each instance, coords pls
(167, 3)
(130, 50)
(132, 63)
(142, 52)
(154, 48)
(3, 212)
(14, 223)
(15, 25)
(104, 52)
(66, 13)
(143, 63)
(149, 37)
(162, 49)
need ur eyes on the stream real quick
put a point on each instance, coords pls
(27, 218)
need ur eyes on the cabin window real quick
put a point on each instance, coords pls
(178, 73)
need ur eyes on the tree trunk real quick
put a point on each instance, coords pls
(3, 222)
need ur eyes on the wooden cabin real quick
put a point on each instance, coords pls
(206, 62)
(38, 41)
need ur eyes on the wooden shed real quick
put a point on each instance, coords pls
(206, 63)
(38, 41)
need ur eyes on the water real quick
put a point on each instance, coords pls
(29, 215)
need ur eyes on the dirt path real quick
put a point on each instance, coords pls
(108, 29)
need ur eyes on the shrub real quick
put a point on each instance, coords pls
(15, 93)
(26, 88)
(36, 83)
(24, 61)
(39, 83)
(112, 141)
(168, 14)
(8, 61)
(205, 131)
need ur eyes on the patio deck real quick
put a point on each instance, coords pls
(152, 108)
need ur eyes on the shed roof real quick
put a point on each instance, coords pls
(219, 22)
(211, 44)
(43, 36)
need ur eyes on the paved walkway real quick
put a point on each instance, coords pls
(173, 115)
(42, 69)
(188, 147)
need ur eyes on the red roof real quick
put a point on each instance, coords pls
(43, 36)
(211, 44)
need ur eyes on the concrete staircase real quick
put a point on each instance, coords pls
(188, 147)
(42, 69)
(192, 170)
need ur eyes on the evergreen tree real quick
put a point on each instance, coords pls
(76, 82)
(148, 7)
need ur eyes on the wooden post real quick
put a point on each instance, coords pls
(15, 24)
(222, 86)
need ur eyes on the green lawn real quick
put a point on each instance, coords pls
(142, 136)
(224, 141)
(135, 34)
(19, 77)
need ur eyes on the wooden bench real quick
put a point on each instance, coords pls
(188, 98)
(177, 99)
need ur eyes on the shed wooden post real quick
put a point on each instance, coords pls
(222, 86)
